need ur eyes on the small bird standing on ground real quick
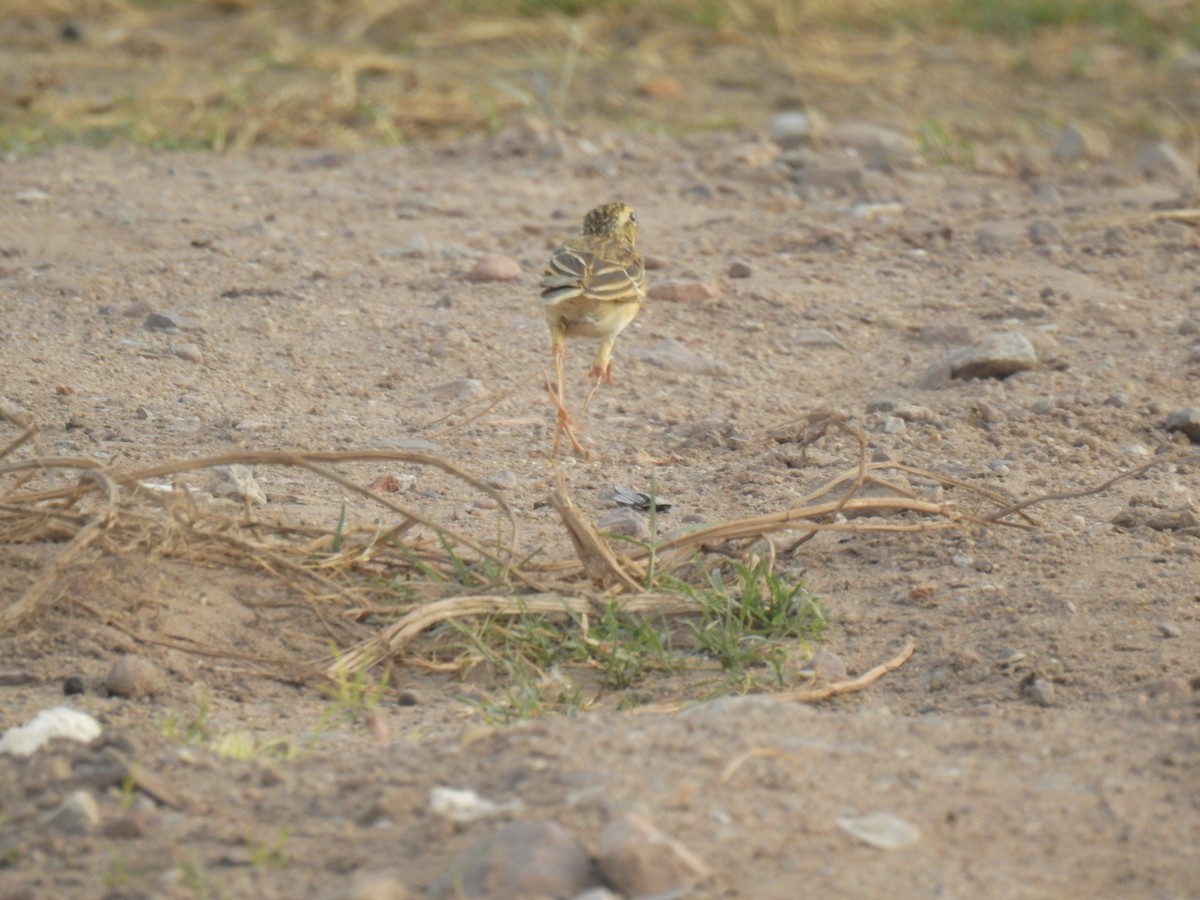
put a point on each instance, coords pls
(593, 286)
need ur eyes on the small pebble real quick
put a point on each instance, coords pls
(790, 128)
(522, 859)
(126, 828)
(494, 267)
(1161, 158)
(1076, 143)
(1168, 629)
(236, 482)
(73, 684)
(677, 356)
(460, 391)
(133, 676)
(1044, 233)
(502, 481)
(1039, 690)
(639, 860)
(739, 269)
(377, 886)
(79, 814)
(1186, 420)
(881, 830)
(188, 352)
(625, 522)
(827, 665)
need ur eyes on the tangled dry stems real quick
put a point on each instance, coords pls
(421, 572)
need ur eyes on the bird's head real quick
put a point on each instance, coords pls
(611, 220)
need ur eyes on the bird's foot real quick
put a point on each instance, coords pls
(563, 423)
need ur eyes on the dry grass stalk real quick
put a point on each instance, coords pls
(133, 519)
(111, 508)
(854, 685)
(599, 562)
(391, 642)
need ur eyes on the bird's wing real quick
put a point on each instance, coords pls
(615, 276)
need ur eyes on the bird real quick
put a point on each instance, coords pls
(593, 286)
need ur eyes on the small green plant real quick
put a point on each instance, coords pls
(196, 730)
(335, 546)
(244, 746)
(128, 792)
(194, 877)
(272, 855)
(354, 694)
(119, 874)
(940, 146)
(745, 624)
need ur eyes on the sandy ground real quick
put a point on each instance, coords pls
(1043, 740)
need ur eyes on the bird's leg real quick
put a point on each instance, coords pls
(601, 368)
(563, 423)
(602, 376)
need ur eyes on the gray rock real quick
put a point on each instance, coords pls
(79, 814)
(236, 482)
(638, 860)
(158, 322)
(167, 320)
(1075, 143)
(1044, 233)
(502, 481)
(1168, 629)
(874, 143)
(461, 390)
(999, 237)
(377, 886)
(739, 269)
(881, 830)
(894, 425)
(671, 354)
(521, 860)
(790, 128)
(995, 355)
(1038, 690)
(133, 676)
(188, 352)
(1187, 420)
(494, 267)
(625, 522)
(826, 665)
(1161, 158)
(683, 291)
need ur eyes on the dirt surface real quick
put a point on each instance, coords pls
(1044, 739)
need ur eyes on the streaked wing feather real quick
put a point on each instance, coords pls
(576, 272)
(613, 282)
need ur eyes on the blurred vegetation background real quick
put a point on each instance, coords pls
(229, 75)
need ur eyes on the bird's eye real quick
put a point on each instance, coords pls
(633, 218)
